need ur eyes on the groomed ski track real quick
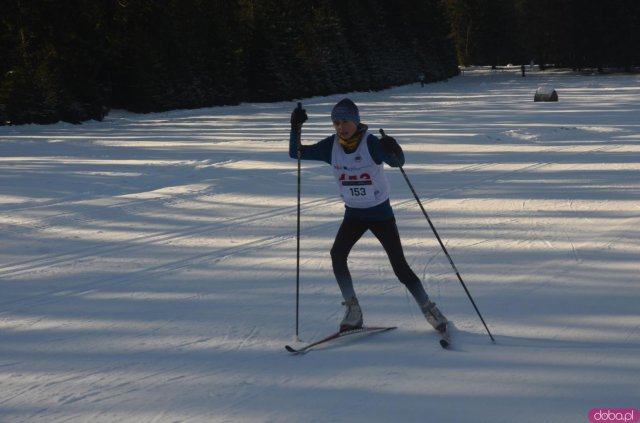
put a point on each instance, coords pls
(147, 272)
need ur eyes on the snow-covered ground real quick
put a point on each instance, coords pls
(147, 264)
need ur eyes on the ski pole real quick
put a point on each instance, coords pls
(455, 269)
(299, 154)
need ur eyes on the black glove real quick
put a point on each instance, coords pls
(298, 117)
(390, 146)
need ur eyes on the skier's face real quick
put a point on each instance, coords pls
(345, 128)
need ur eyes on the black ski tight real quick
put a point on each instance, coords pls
(386, 231)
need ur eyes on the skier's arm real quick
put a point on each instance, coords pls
(386, 149)
(319, 151)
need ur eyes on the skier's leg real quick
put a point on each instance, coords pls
(349, 233)
(387, 233)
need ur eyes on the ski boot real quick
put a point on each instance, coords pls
(434, 316)
(352, 316)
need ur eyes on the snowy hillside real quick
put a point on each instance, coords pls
(147, 269)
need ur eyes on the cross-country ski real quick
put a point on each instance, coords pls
(445, 337)
(338, 335)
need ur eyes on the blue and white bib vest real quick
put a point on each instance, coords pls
(361, 181)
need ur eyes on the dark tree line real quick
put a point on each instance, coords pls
(72, 60)
(566, 33)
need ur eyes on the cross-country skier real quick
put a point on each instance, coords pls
(357, 157)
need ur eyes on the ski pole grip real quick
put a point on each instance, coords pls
(384, 134)
(299, 143)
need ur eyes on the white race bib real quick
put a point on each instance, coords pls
(361, 181)
(357, 191)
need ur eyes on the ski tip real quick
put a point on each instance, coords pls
(295, 351)
(291, 349)
(445, 344)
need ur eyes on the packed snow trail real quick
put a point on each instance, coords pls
(147, 272)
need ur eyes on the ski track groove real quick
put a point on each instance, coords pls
(98, 392)
(222, 253)
(75, 199)
(20, 267)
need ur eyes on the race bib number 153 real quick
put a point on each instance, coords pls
(357, 190)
